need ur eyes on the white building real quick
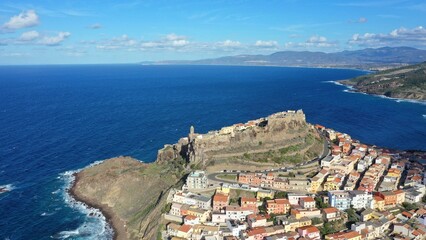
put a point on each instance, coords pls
(361, 199)
(294, 198)
(197, 180)
(237, 213)
(339, 199)
(236, 228)
(192, 199)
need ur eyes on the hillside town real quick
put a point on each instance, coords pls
(359, 192)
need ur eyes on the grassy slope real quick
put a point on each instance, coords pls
(134, 191)
(406, 82)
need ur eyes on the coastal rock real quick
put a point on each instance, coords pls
(128, 192)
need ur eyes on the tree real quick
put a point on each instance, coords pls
(320, 203)
(316, 221)
(281, 195)
(352, 216)
(409, 206)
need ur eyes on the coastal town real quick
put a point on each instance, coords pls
(356, 191)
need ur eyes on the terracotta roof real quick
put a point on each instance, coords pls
(185, 228)
(351, 234)
(220, 198)
(407, 214)
(377, 198)
(309, 229)
(256, 231)
(190, 217)
(330, 210)
(308, 199)
(282, 201)
(248, 199)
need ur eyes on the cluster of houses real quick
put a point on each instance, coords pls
(366, 185)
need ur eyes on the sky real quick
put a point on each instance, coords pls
(118, 31)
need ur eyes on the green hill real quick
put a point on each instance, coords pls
(407, 82)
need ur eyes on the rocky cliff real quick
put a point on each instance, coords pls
(261, 135)
(132, 194)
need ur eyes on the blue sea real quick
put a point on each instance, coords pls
(55, 119)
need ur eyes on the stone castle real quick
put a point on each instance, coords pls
(259, 135)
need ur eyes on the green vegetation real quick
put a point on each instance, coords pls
(320, 203)
(281, 195)
(166, 208)
(352, 216)
(302, 149)
(332, 227)
(231, 177)
(409, 206)
(405, 82)
(316, 221)
(290, 174)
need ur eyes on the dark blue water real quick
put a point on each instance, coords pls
(58, 118)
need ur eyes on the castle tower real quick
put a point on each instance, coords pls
(191, 133)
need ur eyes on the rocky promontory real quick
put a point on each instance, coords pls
(407, 82)
(132, 194)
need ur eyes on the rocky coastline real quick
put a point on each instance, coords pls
(111, 218)
(405, 83)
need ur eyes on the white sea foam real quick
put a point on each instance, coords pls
(350, 89)
(8, 187)
(334, 82)
(95, 225)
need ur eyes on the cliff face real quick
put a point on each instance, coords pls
(261, 135)
(130, 193)
(133, 194)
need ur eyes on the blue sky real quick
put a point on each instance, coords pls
(102, 31)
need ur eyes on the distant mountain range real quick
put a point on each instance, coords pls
(369, 58)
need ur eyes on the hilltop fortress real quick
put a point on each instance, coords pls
(256, 136)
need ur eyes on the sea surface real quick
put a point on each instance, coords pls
(55, 119)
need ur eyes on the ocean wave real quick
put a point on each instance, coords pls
(7, 187)
(95, 225)
(350, 89)
(335, 82)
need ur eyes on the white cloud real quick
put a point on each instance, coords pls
(95, 26)
(229, 44)
(401, 36)
(362, 20)
(266, 44)
(23, 20)
(313, 42)
(29, 36)
(54, 40)
(170, 41)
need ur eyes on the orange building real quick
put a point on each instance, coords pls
(390, 198)
(220, 201)
(250, 203)
(400, 196)
(278, 206)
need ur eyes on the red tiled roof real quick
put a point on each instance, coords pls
(256, 231)
(330, 210)
(220, 198)
(248, 199)
(185, 228)
(308, 199)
